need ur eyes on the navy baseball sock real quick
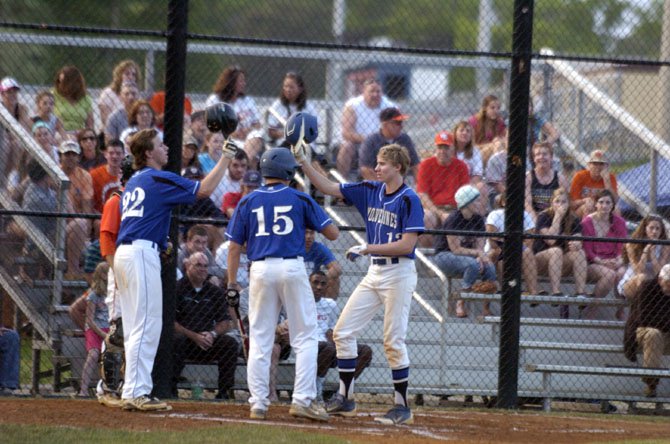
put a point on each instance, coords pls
(400, 382)
(346, 367)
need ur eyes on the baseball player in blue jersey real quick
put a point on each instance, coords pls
(394, 219)
(146, 203)
(271, 221)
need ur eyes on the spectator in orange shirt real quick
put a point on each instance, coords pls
(439, 177)
(106, 177)
(157, 103)
(80, 196)
(586, 183)
(251, 181)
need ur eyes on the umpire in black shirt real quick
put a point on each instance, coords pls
(201, 323)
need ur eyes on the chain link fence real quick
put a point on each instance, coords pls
(440, 83)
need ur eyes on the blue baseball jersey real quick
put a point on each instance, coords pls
(146, 203)
(386, 216)
(272, 221)
(318, 256)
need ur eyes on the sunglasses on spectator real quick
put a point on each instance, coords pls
(88, 138)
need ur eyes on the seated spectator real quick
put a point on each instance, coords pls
(106, 177)
(197, 241)
(586, 183)
(496, 170)
(189, 153)
(390, 131)
(157, 103)
(468, 153)
(118, 120)
(542, 180)
(97, 325)
(45, 139)
(648, 326)
(644, 260)
(9, 361)
(72, 103)
(319, 258)
(539, 128)
(557, 257)
(292, 98)
(231, 87)
(488, 124)
(327, 313)
(438, 179)
(221, 256)
(232, 178)
(91, 156)
(464, 256)
(201, 323)
(80, 200)
(202, 208)
(198, 127)
(605, 258)
(251, 181)
(495, 223)
(211, 151)
(12, 153)
(44, 105)
(360, 118)
(110, 99)
(141, 116)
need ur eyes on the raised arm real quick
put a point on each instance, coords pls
(210, 182)
(321, 182)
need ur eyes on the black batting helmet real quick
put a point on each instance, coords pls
(221, 117)
(278, 163)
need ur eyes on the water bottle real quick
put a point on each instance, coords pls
(196, 390)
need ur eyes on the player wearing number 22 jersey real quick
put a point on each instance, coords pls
(146, 203)
(393, 217)
(272, 221)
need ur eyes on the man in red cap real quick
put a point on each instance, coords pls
(439, 177)
(390, 131)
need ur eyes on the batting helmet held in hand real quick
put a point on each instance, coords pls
(278, 163)
(221, 117)
(296, 122)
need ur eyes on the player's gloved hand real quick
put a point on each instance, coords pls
(229, 149)
(299, 151)
(357, 251)
(233, 297)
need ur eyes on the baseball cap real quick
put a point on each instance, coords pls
(192, 172)
(598, 156)
(69, 146)
(665, 272)
(252, 178)
(8, 83)
(466, 195)
(444, 138)
(392, 113)
(190, 140)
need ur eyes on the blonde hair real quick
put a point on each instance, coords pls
(99, 279)
(396, 155)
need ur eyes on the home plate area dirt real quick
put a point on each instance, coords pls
(431, 424)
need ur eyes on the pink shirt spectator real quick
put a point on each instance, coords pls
(604, 250)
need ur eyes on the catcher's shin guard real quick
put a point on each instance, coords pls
(112, 369)
(115, 336)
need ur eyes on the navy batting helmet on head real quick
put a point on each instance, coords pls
(294, 125)
(278, 163)
(221, 117)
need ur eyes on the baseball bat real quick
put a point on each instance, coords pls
(245, 338)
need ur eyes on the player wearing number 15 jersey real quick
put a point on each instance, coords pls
(394, 219)
(146, 203)
(271, 221)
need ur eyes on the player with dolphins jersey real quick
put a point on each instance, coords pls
(394, 219)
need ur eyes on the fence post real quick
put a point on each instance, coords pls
(510, 307)
(175, 60)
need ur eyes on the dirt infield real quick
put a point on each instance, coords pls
(431, 424)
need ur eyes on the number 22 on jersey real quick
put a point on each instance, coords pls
(132, 204)
(281, 223)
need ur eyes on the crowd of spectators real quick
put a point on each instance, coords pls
(461, 186)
